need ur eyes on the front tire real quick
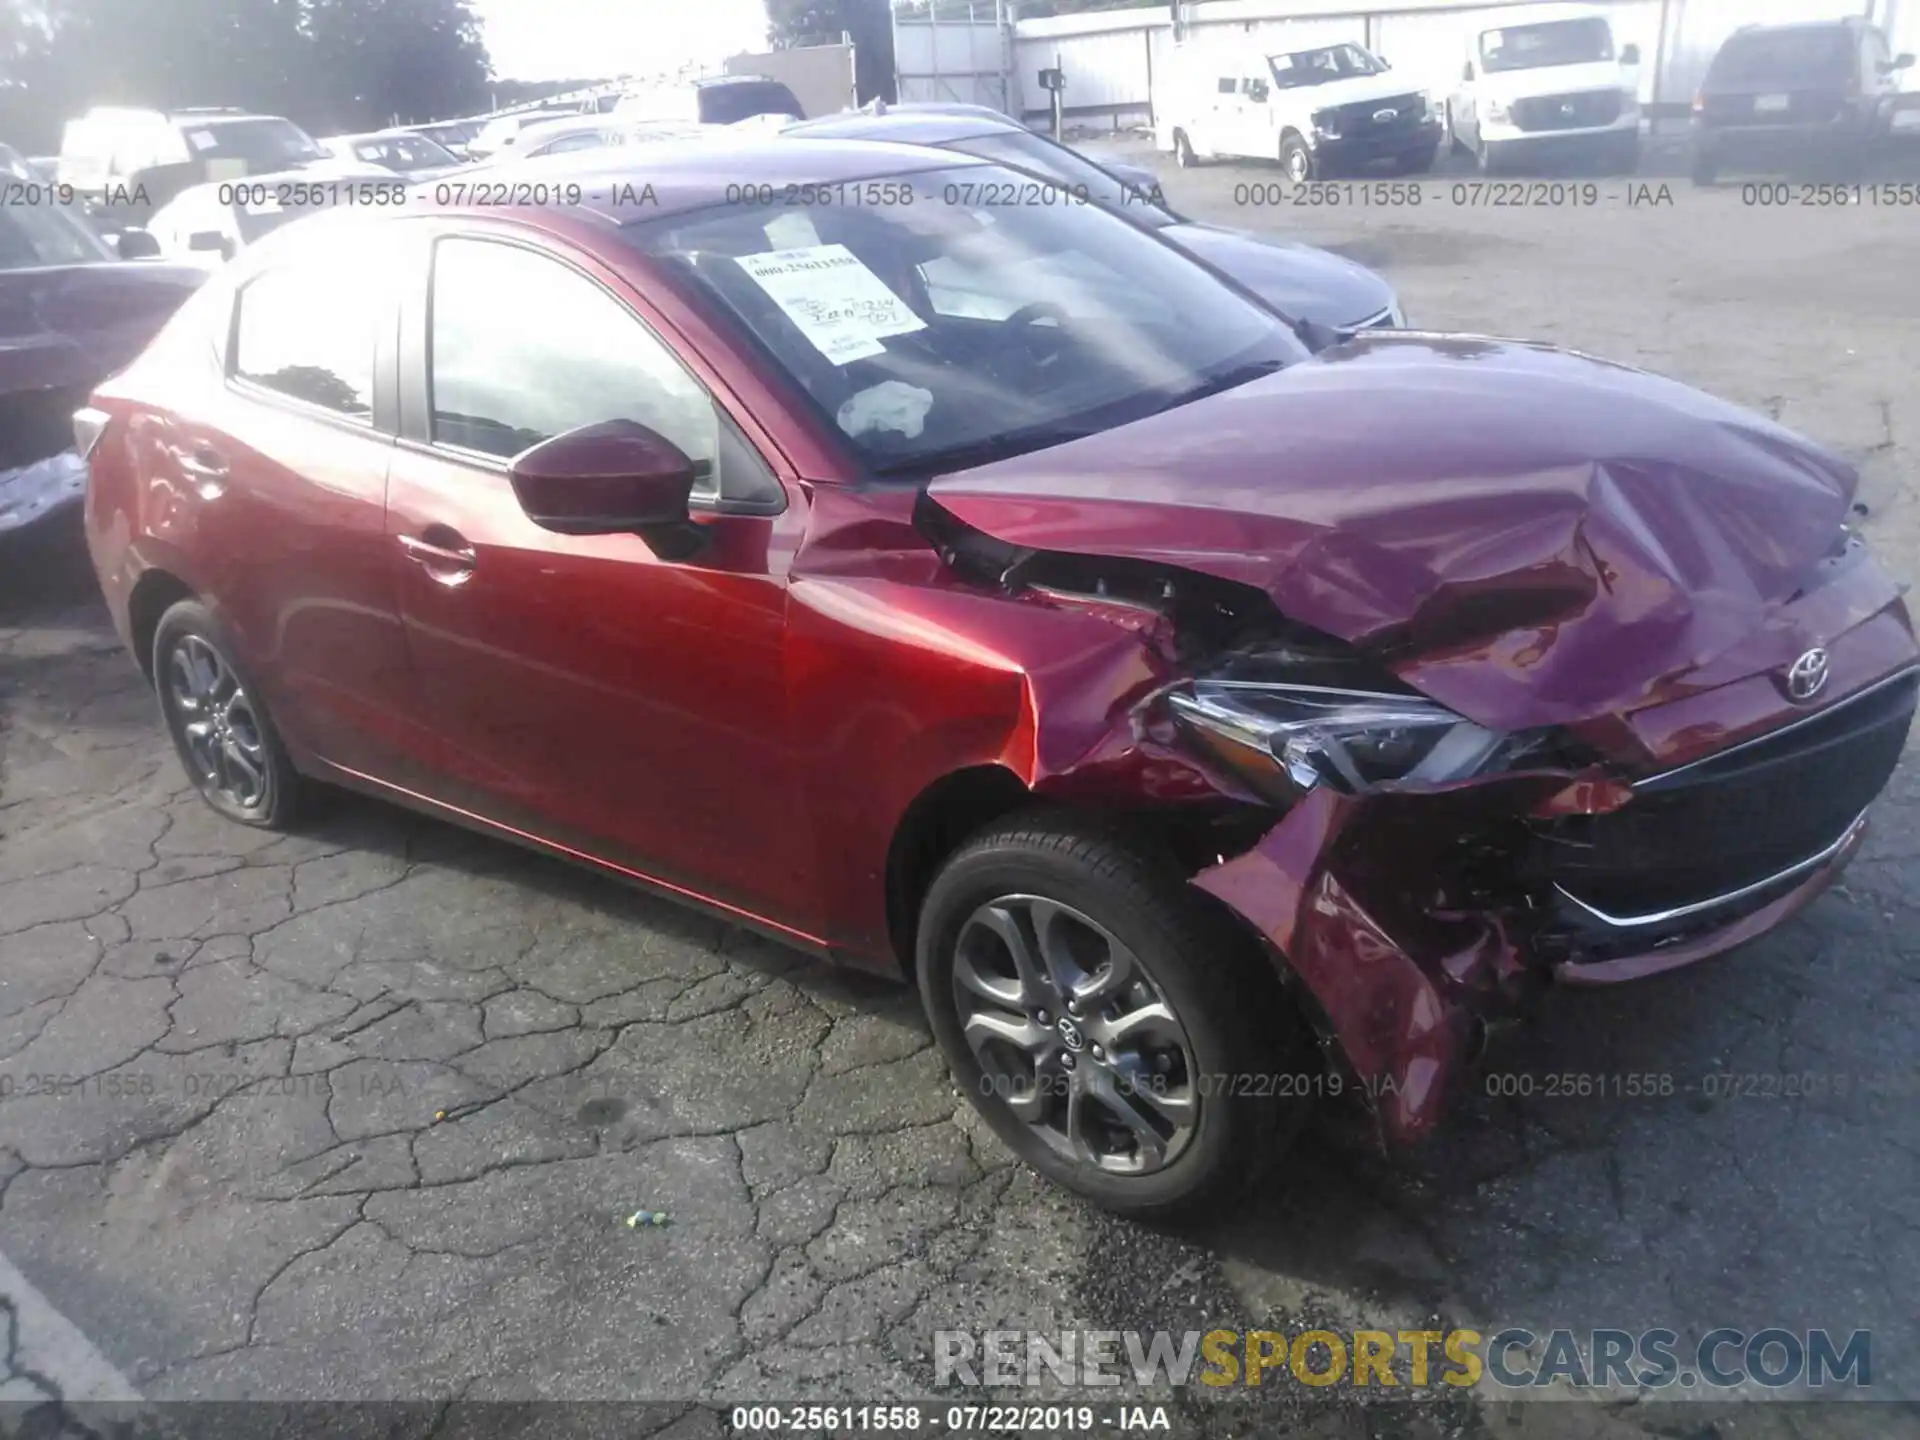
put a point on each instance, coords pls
(1297, 160)
(1120, 1036)
(218, 722)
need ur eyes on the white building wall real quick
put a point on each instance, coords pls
(1112, 58)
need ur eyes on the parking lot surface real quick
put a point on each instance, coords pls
(359, 1112)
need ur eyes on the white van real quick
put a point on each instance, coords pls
(1549, 83)
(1320, 111)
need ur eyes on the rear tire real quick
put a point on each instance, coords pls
(1049, 934)
(218, 722)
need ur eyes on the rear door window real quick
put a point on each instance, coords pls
(308, 329)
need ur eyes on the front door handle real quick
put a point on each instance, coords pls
(447, 557)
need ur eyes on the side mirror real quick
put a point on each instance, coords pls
(614, 478)
(1630, 55)
(136, 245)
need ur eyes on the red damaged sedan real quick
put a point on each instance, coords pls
(979, 591)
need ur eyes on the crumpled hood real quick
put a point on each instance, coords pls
(76, 324)
(1530, 536)
(1299, 281)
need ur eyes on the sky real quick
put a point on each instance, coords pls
(562, 39)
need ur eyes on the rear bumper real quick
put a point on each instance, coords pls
(31, 493)
(1768, 144)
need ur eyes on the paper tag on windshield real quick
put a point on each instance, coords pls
(200, 139)
(841, 306)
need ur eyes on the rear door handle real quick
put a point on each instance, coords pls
(447, 557)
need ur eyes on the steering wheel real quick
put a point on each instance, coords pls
(1038, 346)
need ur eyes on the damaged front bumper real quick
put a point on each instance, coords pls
(1413, 922)
(30, 493)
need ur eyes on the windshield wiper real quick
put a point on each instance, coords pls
(1226, 380)
(984, 451)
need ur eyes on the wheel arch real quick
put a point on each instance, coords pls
(935, 824)
(153, 594)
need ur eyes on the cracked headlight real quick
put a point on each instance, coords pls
(1290, 738)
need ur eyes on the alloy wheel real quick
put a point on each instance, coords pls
(1075, 1036)
(218, 726)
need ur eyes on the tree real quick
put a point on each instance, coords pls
(328, 64)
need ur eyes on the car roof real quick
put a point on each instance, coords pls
(680, 175)
(1832, 22)
(903, 127)
(1521, 15)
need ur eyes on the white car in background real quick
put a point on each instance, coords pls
(210, 224)
(1547, 83)
(1330, 109)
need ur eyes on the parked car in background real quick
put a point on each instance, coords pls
(44, 168)
(594, 132)
(1170, 695)
(454, 135)
(1545, 85)
(502, 132)
(210, 224)
(1779, 97)
(401, 152)
(713, 100)
(71, 313)
(128, 163)
(1299, 281)
(1330, 110)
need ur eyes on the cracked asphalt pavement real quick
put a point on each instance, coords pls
(356, 1113)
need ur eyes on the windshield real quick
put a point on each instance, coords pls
(1025, 150)
(402, 152)
(1317, 67)
(1561, 42)
(728, 104)
(265, 144)
(45, 234)
(946, 319)
(1769, 57)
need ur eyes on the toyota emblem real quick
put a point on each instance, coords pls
(1070, 1033)
(1807, 676)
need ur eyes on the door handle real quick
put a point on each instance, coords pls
(450, 560)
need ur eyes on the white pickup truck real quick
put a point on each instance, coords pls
(1546, 85)
(1335, 108)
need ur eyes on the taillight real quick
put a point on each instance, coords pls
(88, 426)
